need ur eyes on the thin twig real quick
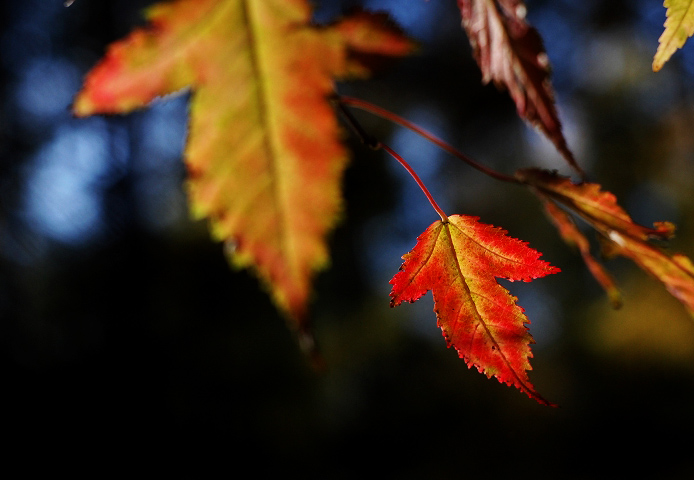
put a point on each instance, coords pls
(410, 170)
(388, 115)
(356, 127)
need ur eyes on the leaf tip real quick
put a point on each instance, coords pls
(657, 65)
(82, 106)
(664, 230)
(660, 58)
(615, 299)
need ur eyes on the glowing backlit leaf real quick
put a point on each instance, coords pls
(263, 152)
(458, 261)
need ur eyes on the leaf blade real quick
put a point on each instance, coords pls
(263, 155)
(573, 237)
(679, 26)
(675, 272)
(595, 205)
(510, 53)
(458, 261)
(619, 233)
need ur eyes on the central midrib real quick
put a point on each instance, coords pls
(480, 320)
(264, 109)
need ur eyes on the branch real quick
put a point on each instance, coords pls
(388, 115)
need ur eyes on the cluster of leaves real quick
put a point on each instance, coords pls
(264, 158)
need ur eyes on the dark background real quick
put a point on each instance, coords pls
(125, 334)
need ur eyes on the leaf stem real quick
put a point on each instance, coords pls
(410, 170)
(388, 115)
(356, 127)
(375, 144)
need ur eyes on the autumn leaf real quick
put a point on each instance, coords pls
(458, 261)
(679, 26)
(263, 153)
(597, 207)
(620, 235)
(676, 271)
(511, 54)
(574, 237)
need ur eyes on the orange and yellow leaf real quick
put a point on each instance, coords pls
(676, 271)
(572, 236)
(619, 233)
(458, 261)
(588, 200)
(263, 153)
(679, 26)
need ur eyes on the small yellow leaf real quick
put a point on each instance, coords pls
(679, 26)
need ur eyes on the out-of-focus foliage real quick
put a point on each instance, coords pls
(263, 152)
(511, 53)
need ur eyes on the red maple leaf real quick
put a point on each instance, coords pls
(458, 261)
